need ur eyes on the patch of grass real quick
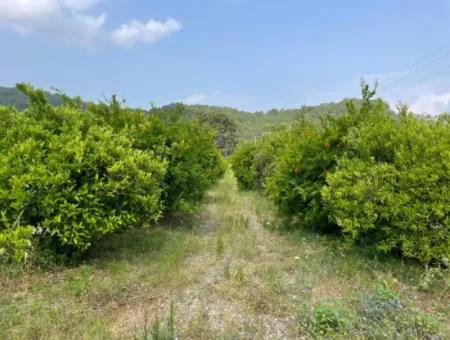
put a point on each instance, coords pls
(81, 302)
(380, 305)
(220, 246)
(273, 280)
(199, 326)
(383, 313)
(158, 330)
(238, 273)
(329, 319)
(79, 285)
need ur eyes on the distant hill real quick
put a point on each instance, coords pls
(247, 125)
(254, 124)
(13, 97)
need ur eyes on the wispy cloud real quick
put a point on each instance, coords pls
(428, 97)
(136, 31)
(195, 99)
(68, 22)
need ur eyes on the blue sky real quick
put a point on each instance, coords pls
(248, 54)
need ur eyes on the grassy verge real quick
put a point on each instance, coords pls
(83, 302)
(357, 293)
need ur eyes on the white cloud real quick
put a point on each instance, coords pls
(25, 9)
(84, 30)
(136, 31)
(67, 22)
(431, 103)
(80, 5)
(430, 97)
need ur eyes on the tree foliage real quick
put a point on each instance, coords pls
(253, 163)
(70, 174)
(379, 179)
(392, 189)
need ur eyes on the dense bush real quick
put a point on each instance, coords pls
(393, 187)
(301, 172)
(253, 163)
(186, 144)
(194, 163)
(311, 154)
(380, 179)
(71, 174)
(242, 163)
(72, 179)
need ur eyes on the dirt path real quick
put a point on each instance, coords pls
(236, 281)
(233, 296)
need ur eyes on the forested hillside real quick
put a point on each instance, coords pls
(255, 124)
(232, 124)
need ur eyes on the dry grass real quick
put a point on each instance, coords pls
(226, 277)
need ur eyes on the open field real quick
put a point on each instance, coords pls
(227, 273)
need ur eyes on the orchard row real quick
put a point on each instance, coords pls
(74, 173)
(380, 179)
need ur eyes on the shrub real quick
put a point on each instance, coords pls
(254, 163)
(329, 319)
(311, 154)
(70, 174)
(268, 149)
(380, 179)
(187, 145)
(393, 188)
(242, 165)
(194, 162)
(301, 170)
(299, 175)
(15, 244)
(71, 179)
